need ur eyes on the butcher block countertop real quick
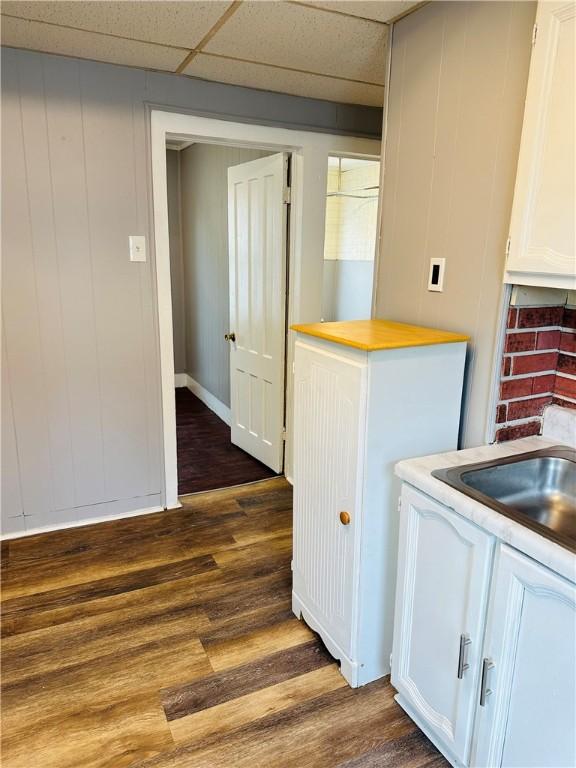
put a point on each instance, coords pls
(372, 335)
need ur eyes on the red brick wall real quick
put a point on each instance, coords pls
(538, 368)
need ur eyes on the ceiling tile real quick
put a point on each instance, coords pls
(86, 45)
(284, 81)
(292, 35)
(182, 24)
(377, 10)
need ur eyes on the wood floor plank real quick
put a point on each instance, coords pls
(257, 551)
(104, 736)
(233, 683)
(78, 641)
(169, 641)
(409, 751)
(62, 572)
(119, 593)
(320, 733)
(231, 653)
(222, 719)
(106, 680)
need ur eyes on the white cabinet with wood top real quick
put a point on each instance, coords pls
(366, 393)
(542, 230)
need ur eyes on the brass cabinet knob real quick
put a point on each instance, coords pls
(345, 518)
(231, 336)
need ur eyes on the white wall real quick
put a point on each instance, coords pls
(456, 102)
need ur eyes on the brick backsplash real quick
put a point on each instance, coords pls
(538, 368)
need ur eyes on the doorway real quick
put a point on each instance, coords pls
(227, 229)
(350, 238)
(309, 152)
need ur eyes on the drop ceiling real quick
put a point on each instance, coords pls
(332, 50)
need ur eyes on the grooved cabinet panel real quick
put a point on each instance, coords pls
(328, 418)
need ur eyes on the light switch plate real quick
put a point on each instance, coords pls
(436, 275)
(137, 247)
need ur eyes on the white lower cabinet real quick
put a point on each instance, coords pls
(529, 718)
(443, 581)
(484, 653)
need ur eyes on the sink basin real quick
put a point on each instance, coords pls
(537, 489)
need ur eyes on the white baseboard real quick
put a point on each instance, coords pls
(82, 523)
(180, 380)
(215, 405)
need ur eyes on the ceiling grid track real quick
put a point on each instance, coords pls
(228, 13)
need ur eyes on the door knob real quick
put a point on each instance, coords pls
(345, 518)
(230, 336)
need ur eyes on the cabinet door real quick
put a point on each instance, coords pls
(443, 578)
(542, 227)
(329, 406)
(528, 719)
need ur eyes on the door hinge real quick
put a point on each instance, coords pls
(287, 195)
(534, 34)
(283, 433)
(399, 507)
(507, 247)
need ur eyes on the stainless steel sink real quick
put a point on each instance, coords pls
(537, 489)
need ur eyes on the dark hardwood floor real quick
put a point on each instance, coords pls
(168, 640)
(206, 458)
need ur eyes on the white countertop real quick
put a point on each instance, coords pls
(417, 472)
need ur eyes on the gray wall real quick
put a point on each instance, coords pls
(347, 289)
(204, 187)
(176, 259)
(80, 327)
(456, 101)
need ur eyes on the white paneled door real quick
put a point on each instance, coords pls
(257, 237)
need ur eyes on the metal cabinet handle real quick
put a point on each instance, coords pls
(462, 663)
(487, 665)
(231, 336)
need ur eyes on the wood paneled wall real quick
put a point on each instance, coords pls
(456, 103)
(81, 421)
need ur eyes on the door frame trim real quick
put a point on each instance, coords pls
(309, 151)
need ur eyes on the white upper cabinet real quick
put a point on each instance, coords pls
(542, 230)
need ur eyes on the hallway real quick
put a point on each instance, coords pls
(207, 460)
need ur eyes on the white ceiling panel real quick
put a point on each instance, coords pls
(284, 81)
(293, 35)
(377, 10)
(182, 24)
(86, 45)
